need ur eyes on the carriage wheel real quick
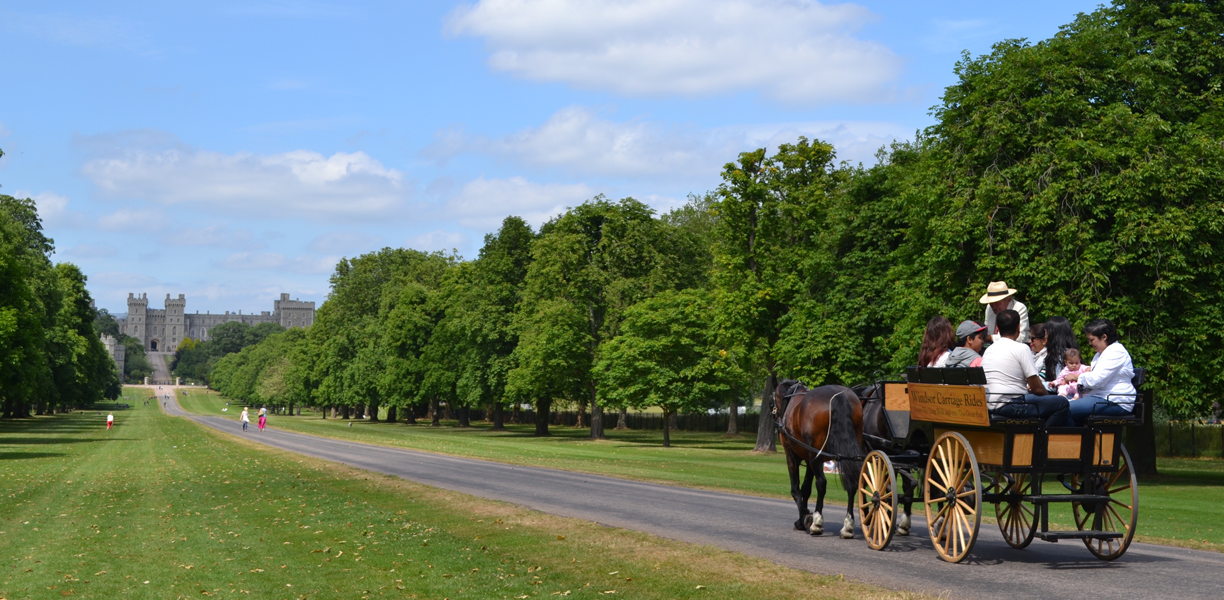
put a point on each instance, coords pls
(877, 500)
(1121, 513)
(1017, 520)
(952, 492)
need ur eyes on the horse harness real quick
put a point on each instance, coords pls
(819, 451)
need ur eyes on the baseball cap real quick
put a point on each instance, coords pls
(968, 328)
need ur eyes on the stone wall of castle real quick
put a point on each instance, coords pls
(162, 329)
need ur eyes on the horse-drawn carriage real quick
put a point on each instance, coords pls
(931, 439)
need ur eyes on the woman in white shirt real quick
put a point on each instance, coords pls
(937, 343)
(1109, 388)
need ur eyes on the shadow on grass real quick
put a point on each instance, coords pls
(25, 455)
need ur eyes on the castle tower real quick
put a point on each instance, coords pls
(136, 324)
(175, 323)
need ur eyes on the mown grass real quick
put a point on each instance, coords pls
(1184, 506)
(161, 507)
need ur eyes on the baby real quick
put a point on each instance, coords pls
(1073, 366)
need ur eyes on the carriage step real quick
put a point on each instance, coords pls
(1054, 536)
(1066, 498)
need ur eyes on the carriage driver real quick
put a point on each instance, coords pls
(1013, 388)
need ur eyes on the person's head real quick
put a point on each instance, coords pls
(1008, 323)
(998, 296)
(1072, 359)
(1037, 337)
(971, 335)
(1100, 333)
(939, 338)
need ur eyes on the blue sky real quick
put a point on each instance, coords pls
(234, 150)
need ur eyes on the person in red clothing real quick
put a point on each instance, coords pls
(110, 420)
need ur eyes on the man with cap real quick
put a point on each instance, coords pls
(970, 338)
(997, 299)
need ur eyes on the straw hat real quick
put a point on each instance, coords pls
(997, 290)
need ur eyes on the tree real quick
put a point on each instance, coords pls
(769, 212)
(665, 357)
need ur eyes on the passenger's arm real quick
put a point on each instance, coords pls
(1036, 387)
(1104, 368)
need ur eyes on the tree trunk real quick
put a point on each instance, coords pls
(667, 417)
(434, 417)
(449, 413)
(767, 439)
(733, 419)
(390, 414)
(597, 427)
(374, 411)
(580, 419)
(671, 421)
(499, 417)
(541, 422)
(621, 419)
(514, 414)
(348, 412)
(464, 416)
(1141, 441)
(410, 415)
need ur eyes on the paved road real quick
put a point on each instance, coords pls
(762, 527)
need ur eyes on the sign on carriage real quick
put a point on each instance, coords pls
(958, 404)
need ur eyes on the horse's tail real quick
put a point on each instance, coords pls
(845, 440)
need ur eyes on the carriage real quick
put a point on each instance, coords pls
(945, 451)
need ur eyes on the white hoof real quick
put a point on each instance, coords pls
(847, 531)
(903, 524)
(817, 526)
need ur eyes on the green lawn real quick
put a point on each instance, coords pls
(1184, 506)
(161, 507)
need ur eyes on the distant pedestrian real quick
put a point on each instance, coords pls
(110, 420)
(246, 418)
(263, 421)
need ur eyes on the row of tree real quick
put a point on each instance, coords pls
(1085, 170)
(136, 364)
(51, 357)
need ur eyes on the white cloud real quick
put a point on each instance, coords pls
(53, 210)
(578, 140)
(215, 235)
(795, 51)
(298, 184)
(436, 240)
(133, 220)
(245, 261)
(484, 203)
(92, 251)
(344, 241)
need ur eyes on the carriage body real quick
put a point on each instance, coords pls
(942, 430)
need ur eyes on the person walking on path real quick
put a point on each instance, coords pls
(263, 419)
(246, 418)
(110, 420)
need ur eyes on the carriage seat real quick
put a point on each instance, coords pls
(946, 375)
(1136, 416)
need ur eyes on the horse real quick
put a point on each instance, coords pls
(875, 425)
(828, 418)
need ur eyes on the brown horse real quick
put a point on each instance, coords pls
(828, 418)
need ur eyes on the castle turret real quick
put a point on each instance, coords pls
(175, 322)
(136, 324)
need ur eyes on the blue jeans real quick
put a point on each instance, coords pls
(1053, 409)
(1084, 407)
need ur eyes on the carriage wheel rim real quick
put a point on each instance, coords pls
(953, 511)
(877, 500)
(1017, 521)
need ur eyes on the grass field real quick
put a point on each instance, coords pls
(1183, 506)
(161, 507)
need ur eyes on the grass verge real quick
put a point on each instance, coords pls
(163, 508)
(1184, 506)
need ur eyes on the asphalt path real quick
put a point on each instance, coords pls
(762, 527)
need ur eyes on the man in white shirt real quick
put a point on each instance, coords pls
(1109, 388)
(997, 299)
(1013, 388)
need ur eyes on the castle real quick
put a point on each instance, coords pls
(161, 330)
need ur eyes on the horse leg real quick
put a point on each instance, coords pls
(847, 531)
(907, 503)
(817, 527)
(801, 499)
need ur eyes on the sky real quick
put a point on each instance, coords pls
(232, 151)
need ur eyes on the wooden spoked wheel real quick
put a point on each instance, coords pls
(1121, 512)
(1017, 520)
(952, 492)
(877, 500)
